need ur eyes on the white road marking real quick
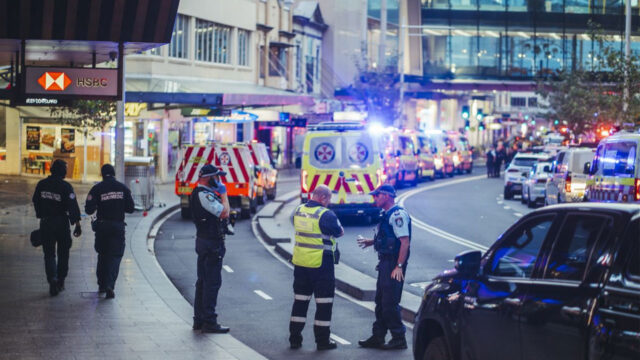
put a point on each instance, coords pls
(518, 214)
(421, 285)
(227, 268)
(500, 202)
(262, 294)
(507, 207)
(338, 339)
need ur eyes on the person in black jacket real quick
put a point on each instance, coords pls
(111, 199)
(56, 206)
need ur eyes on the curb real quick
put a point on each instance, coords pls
(348, 280)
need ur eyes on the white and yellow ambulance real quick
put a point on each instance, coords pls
(347, 158)
(614, 173)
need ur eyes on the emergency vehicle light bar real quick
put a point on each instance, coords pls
(342, 126)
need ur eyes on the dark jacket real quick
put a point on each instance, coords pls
(54, 197)
(111, 199)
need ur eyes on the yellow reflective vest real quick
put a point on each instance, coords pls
(310, 242)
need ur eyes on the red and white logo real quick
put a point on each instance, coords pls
(54, 81)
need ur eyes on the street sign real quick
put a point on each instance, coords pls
(71, 82)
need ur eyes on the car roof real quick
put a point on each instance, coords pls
(538, 155)
(631, 209)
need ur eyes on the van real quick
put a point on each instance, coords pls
(614, 173)
(443, 156)
(346, 158)
(406, 157)
(567, 182)
(266, 174)
(462, 154)
(425, 150)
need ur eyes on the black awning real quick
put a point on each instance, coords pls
(280, 44)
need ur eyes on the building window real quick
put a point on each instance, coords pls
(298, 63)
(278, 62)
(518, 101)
(243, 47)
(212, 42)
(180, 38)
(533, 102)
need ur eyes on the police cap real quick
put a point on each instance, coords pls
(384, 189)
(210, 170)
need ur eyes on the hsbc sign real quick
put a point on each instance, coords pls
(75, 82)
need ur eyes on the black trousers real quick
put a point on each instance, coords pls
(388, 296)
(56, 238)
(109, 244)
(320, 283)
(210, 256)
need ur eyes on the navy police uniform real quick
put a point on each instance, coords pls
(56, 206)
(111, 199)
(206, 208)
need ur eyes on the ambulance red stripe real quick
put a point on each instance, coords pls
(327, 180)
(253, 155)
(194, 166)
(187, 154)
(231, 170)
(314, 183)
(358, 186)
(367, 178)
(241, 164)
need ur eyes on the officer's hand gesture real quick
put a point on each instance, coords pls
(364, 243)
(397, 274)
(77, 231)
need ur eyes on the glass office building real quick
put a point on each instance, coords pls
(519, 39)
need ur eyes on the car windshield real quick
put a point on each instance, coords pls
(524, 161)
(463, 143)
(341, 152)
(579, 159)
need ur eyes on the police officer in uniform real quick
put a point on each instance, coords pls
(314, 255)
(392, 244)
(209, 209)
(111, 199)
(56, 206)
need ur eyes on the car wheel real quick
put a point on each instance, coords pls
(262, 198)
(415, 179)
(530, 204)
(271, 194)
(253, 206)
(523, 200)
(507, 194)
(185, 213)
(245, 213)
(436, 350)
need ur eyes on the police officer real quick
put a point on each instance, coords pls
(56, 206)
(209, 208)
(314, 254)
(392, 244)
(111, 199)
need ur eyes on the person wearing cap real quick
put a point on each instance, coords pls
(209, 207)
(314, 253)
(391, 241)
(111, 199)
(56, 206)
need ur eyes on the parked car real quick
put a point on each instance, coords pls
(562, 283)
(517, 171)
(533, 189)
(568, 181)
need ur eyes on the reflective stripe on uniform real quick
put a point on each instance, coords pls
(322, 323)
(298, 319)
(314, 236)
(313, 246)
(302, 297)
(324, 300)
(315, 215)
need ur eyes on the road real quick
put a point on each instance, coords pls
(256, 294)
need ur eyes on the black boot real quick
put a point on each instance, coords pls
(396, 343)
(214, 329)
(60, 284)
(110, 293)
(330, 345)
(295, 342)
(53, 288)
(373, 342)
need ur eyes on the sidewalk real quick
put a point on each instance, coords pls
(148, 319)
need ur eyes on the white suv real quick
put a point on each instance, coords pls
(518, 171)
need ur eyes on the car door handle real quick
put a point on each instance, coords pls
(571, 310)
(512, 301)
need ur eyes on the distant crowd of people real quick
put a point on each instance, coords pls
(496, 156)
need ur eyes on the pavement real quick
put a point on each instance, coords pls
(148, 319)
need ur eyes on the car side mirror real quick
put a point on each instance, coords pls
(468, 262)
(546, 169)
(587, 168)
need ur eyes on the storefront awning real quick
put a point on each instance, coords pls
(207, 92)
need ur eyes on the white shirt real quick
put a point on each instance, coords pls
(209, 201)
(399, 221)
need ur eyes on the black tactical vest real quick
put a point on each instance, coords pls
(386, 242)
(208, 226)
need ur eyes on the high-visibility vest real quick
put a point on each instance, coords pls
(310, 242)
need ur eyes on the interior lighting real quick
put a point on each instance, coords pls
(555, 36)
(523, 34)
(492, 33)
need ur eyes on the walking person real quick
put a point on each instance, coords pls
(209, 207)
(111, 199)
(392, 241)
(314, 255)
(57, 208)
(491, 156)
(501, 155)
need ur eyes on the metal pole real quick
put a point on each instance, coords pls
(119, 150)
(627, 54)
(401, 48)
(383, 34)
(84, 154)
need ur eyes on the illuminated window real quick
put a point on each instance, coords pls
(212, 42)
(243, 47)
(180, 38)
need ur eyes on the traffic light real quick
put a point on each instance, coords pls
(556, 122)
(467, 125)
(479, 115)
(481, 125)
(465, 112)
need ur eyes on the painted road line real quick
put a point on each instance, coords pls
(421, 285)
(507, 207)
(227, 268)
(340, 340)
(500, 202)
(518, 214)
(262, 294)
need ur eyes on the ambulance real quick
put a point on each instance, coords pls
(462, 154)
(614, 173)
(346, 158)
(240, 180)
(265, 173)
(425, 152)
(443, 156)
(406, 157)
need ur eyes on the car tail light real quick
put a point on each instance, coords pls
(637, 195)
(303, 181)
(567, 183)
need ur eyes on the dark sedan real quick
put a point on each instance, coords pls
(561, 283)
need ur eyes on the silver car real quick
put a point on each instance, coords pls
(533, 189)
(568, 182)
